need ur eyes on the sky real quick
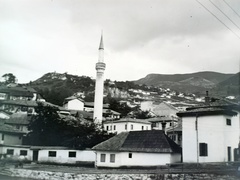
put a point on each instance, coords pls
(140, 37)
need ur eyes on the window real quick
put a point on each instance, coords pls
(203, 149)
(228, 122)
(112, 158)
(111, 127)
(23, 152)
(170, 124)
(10, 151)
(72, 154)
(229, 150)
(114, 127)
(52, 153)
(103, 158)
(107, 128)
(130, 155)
(142, 127)
(131, 126)
(2, 137)
(125, 126)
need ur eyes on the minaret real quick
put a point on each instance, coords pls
(99, 86)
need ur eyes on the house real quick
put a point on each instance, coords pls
(89, 106)
(48, 154)
(73, 103)
(9, 135)
(210, 133)
(126, 124)
(18, 92)
(19, 121)
(163, 122)
(137, 149)
(175, 133)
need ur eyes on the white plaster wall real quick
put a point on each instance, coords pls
(16, 153)
(138, 159)
(75, 104)
(120, 127)
(98, 98)
(213, 131)
(62, 156)
(11, 139)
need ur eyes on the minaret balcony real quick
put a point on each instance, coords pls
(100, 66)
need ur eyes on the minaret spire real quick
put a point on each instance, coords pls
(101, 43)
(99, 85)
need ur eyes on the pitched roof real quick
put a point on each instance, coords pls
(10, 129)
(18, 90)
(18, 118)
(153, 141)
(162, 119)
(20, 102)
(222, 103)
(143, 121)
(206, 112)
(91, 104)
(72, 98)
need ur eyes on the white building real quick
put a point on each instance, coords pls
(73, 103)
(99, 85)
(126, 124)
(209, 134)
(137, 148)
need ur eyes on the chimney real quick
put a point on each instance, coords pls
(207, 98)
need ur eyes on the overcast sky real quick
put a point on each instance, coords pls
(140, 37)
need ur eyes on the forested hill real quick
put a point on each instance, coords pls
(55, 87)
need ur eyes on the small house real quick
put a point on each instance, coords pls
(137, 149)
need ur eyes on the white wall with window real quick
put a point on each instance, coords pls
(118, 127)
(212, 139)
(65, 156)
(144, 159)
(15, 152)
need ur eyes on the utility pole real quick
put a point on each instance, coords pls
(196, 128)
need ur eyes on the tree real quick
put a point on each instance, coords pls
(47, 128)
(9, 78)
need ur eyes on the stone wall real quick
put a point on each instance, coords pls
(47, 175)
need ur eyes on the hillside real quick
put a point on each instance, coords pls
(192, 82)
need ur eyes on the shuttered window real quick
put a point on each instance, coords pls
(203, 149)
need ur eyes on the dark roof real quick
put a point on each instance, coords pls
(154, 141)
(91, 104)
(10, 129)
(162, 119)
(18, 90)
(26, 103)
(18, 118)
(128, 120)
(84, 114)
(222, 103)
(206, 112)
(72, 98)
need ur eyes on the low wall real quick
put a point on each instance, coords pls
(47, 175)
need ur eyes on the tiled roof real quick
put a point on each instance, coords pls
(72, 98)
(20, 102)
(154, 141)
(9, 129)
(91, 104)
(18, 118)
(222, 103)
(18, 90)
(206, 112)
(110, 111)
(143, 121)
(162, 119)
